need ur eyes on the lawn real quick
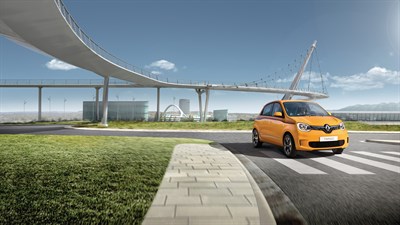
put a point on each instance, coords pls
(80, 179)
(239, 125)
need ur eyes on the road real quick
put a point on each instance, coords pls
(362, 186)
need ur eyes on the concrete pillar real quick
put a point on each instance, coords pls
(105, 101)
(97, 104)
(199, 93)
(40, 104)
(157, 117)
(206, 105)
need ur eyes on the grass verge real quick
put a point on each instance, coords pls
(80, 179)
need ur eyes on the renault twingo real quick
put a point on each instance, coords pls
(297, 125)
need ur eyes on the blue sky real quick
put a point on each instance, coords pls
(227, 41)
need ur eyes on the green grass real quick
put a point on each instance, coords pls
(80, 180)
(239, 125)
(359, 126)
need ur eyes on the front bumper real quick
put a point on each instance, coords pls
(319, 140)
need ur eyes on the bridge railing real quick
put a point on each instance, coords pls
(97, 48)
(61, 82)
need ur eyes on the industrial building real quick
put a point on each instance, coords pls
(118, 110)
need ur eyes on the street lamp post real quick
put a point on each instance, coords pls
(49, 99)
(65, 100)
(117, 107)
(25, 104)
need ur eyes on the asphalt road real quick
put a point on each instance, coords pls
(358, 188)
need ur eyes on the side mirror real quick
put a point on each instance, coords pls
(329, 113)
(278, 114)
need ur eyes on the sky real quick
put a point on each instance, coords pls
(225, 41)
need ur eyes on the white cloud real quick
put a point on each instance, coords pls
(156, 72)
(56, 64)
(164, 65)
(376, 77)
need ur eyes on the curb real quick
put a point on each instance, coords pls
(264, 210)
(390, 142)
(211, 131)
(285, 212)
(163, 130)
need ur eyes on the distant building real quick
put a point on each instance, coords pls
(367, 115)
(118, 110)
(184, 105)
(220, 115)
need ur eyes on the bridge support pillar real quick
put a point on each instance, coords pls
(97, 104)
(157, 117)
(199, 93)
(40, 104)
(105, 101)
(206, 105)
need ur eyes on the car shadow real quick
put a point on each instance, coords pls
(247, 149)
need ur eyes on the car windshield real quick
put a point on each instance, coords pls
(304, 109)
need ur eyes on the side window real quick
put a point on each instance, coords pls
(277, 108)
(267, 110)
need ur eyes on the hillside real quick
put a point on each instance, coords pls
(392, 106)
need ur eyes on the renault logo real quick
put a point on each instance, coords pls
(327, 128)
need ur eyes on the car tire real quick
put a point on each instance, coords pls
(338, 150)
(289, 148)
(256, 139)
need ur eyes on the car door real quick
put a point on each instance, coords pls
(276, 125)
(263, 121)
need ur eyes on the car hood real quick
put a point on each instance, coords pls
(317, 120)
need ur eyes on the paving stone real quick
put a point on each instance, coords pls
(166, 221)
(251, 199)
(161, 211)
(198, 185)
(244, 211)
(225, 200)
(209, 191)
(217, 221)
(196, 211)
(183, 179)
(169, 185)
(213, 179)
(169, 191)
(159, 199)
(183, 200)
(233, 184)
(241, 191)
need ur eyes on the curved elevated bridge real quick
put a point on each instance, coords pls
(48, 27)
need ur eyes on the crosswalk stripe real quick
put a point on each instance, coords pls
(381, 165)
(391, 158)
(393, 153)
(341, 166)
(293, 164)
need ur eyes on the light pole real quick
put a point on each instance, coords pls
(133, 108)
(117, 96)
(49, 99)
(65, 100)
(25, 104)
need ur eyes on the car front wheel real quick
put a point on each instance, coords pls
(289, 147)
(256, 139)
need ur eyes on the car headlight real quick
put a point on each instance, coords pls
(303, 127)
(341, 126)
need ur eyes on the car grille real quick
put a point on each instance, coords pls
(326, 144)
(323, 128)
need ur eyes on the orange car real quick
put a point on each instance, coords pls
(299, 125)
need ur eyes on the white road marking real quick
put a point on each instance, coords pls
(340, 166)
(377, 164)
(293, 164)
(391, 158)
(393, 153)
